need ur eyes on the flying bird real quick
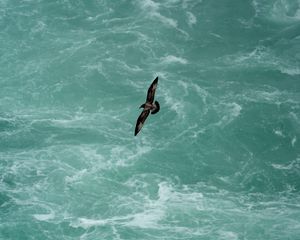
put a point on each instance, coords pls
(148, 107)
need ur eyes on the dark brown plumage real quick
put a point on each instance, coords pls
(148, 106)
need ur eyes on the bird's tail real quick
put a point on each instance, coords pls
(156, 109)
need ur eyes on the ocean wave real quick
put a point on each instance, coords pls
(290, 71)
(260, 55)
(231, 111)
(219, 161)
(261, 58)
(269, 95)
(149, 5)
(153, 11)
(153, 210)
(174, 103)
(283, 11)
(293, 165)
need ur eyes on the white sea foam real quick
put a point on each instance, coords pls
(138, 181)
(281, 166)
(147, 219)
(295, 164)
(268, 96)
(290, 71)
(39, 27)
(122, 156)
(285, 10)
(75, 46)
(272, 96)
(228, 235)
(172, 197)
(152, 211)
(87, 223)
(185, 87)
(152, 9)
(174, 103)
(294, 140)
(149, 5)
(260, 57)
(190, 87)
(189, 3)
(278, 132)
(90, 152)
(277, 11)
(76, 177)
(133, 68)
(173, 59)
(216, 35)
(248, 58)
(165, 20)
(191, 18)
(44, 217)
(95, 66)
(233, 110)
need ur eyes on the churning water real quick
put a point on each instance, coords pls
(221, 160)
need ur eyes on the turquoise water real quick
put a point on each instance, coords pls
(221, 160)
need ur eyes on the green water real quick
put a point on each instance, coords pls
(221, 160)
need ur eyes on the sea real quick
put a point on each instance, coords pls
(219, 161)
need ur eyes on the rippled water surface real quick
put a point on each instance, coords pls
(221, 160)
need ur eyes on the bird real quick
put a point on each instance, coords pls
(148, 107)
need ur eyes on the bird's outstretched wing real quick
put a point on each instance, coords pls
(151, 91)
(140, 121)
